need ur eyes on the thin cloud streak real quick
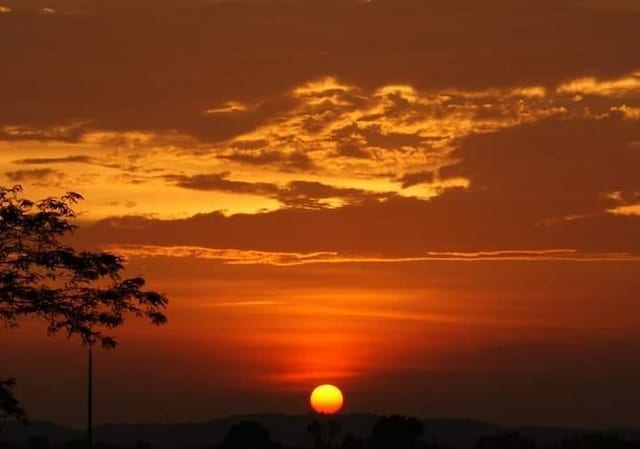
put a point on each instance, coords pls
(251, 257)
(244, 304)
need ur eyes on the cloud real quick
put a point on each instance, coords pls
(618, 6)
(388, 129)
(246, 304)
(620, 87)
(36, 176)
(310, 194)
(464, 45)
(412, 179)
(252, 257)
(126, 164)
(629, 112)
(277, 159)
(553, 168)
(375, 136)
(329, 132)
(392, 101)
(79, 159)
(73, 131)
(228, 107)
(329, 128)
(351, 149)
(548, 184)
(220, 182)
(300, 194)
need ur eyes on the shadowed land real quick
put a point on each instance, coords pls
(292, 431)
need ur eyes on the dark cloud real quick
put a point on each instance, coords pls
(297, 161)
(357, 141)
(396, 227)
(80, 158)
(535, 186)
(412, 179)
(71, 66)
(351, 149)
(377, 138)
(554, 168)
(72, 133)
(310, 194)
(220, 182)
(36, 175)
(297, 194)
(250, 144)
(131, 165)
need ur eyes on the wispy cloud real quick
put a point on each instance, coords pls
(299, 194)
(244, 303)
(618, 87)
(78, 158)
(229, 107)
(36, 176)
(250, 257)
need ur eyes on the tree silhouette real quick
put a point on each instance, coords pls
(396, 432)
(248, 435)
(324, 431)
(38, 442)
(599, 441)
(81, 293)
(316, 430)
(9, 406)
(509, 440)
(352, 442)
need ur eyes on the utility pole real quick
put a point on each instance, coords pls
(90, 401)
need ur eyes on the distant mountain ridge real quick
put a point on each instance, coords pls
(290, 430)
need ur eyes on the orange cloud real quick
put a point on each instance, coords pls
(252, 257)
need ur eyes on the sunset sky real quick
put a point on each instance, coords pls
(434, 204)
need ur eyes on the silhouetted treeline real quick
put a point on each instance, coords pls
(44, 443)
(248, 435)
(388, 432)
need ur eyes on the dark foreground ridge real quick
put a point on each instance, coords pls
(354, 430)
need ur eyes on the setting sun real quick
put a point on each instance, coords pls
(326, 399)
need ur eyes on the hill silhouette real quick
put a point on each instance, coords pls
(290, 430)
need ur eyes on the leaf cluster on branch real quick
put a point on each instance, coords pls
(9, 405)
(79, 292)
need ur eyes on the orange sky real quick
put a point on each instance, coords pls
(435, 205)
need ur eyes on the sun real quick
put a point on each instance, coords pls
(326, 399)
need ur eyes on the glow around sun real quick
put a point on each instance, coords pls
(326, 399)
